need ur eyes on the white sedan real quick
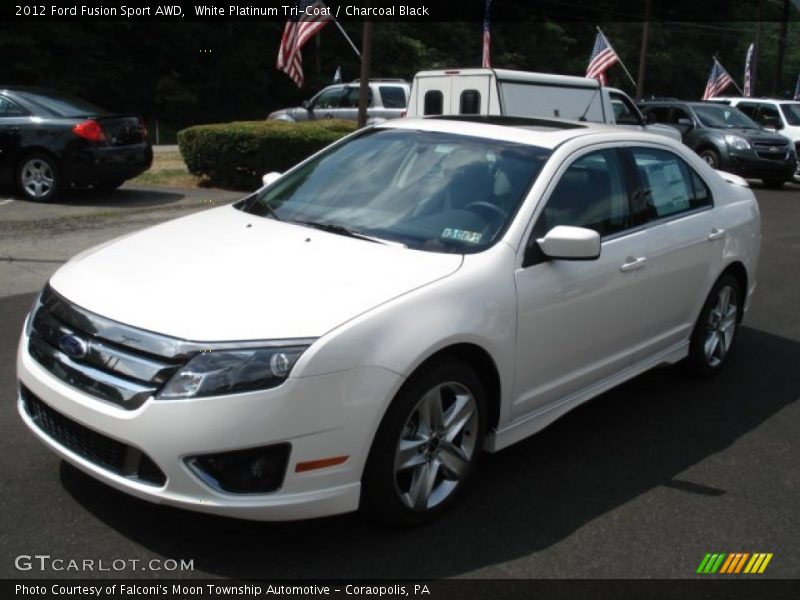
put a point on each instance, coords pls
(355, 333)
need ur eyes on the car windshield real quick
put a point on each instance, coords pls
(62, 105)
(791, 112)
(724, 117)
(425, 190)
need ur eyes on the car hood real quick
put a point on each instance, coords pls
(756, 135)
(227, 275)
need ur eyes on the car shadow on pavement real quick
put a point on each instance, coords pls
(123, 197)
(524, 499)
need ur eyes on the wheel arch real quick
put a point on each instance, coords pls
(484, 366)
(739, 272)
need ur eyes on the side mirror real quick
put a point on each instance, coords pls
(270, 177)
(306, 104)
(649, 119)
(685, 122)
(570, 243)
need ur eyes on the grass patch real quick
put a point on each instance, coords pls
(168, 170)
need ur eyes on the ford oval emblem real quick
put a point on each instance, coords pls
(73, 346)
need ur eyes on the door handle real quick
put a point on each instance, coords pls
(716, 234)
(632, 264)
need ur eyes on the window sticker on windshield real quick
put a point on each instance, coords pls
(471, 237)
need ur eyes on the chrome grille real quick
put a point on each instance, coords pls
(772, 149)
(116, 363)
(95, 447)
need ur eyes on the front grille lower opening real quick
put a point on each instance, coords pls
(103, 451)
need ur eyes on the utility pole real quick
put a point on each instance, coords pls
(643, 51)
(756, 50)
(366, 56)
(776, 81)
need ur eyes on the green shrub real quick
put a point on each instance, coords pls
(236, 155)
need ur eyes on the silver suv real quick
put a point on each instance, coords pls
(388, 99)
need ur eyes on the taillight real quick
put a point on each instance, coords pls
(90, 130)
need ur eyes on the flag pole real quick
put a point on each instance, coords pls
(347, 37)
(621, 64)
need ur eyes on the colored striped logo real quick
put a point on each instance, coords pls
(734, 563)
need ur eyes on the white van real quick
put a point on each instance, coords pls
(525, 94)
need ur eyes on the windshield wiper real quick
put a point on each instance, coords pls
(342, 230)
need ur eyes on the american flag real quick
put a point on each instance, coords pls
(486, 61)
(299, 29)
(748, 72)
(603, 57)
(797, 89)
(718, 80)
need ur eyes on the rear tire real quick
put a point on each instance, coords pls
(39, 178)
(426, 446)
(715, 330)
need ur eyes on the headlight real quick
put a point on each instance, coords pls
(737, 143)
(231, 371)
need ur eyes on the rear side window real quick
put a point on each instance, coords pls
(10, 109)
(434, 102)
(668, 186)
(392, 96)
(470, 102)
(62, 105)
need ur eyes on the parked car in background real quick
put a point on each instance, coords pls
(727, 139)
(781, 116)
(387, 99)
(526, 94)
(441, 287)
(50, 140)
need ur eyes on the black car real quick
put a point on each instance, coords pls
(727, 139)
(50, 140)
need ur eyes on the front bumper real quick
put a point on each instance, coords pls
(749, 164)
(321, 416)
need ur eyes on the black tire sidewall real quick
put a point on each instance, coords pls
(379, 498)
(697, 362)
(53, 163)
(713, 154)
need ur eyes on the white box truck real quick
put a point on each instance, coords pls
(525, 94)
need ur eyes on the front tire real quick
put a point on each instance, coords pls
(426, 446)
(715, 330)
(39, 178)
(711, 157)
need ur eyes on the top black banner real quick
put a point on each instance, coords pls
(401, 10)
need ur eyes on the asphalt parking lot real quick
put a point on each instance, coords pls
(641, 482)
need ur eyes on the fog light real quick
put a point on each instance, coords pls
(251, 471)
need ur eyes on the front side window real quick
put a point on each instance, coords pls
(768, 116)
(434, 102)
(747, 108)
(591, 193)
(426, 190)
(668, 186)
(660, 113)
(331, 98)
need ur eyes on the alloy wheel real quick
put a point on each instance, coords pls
(37, 178)
(721, 326)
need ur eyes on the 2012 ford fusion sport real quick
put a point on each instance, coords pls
(354, 334)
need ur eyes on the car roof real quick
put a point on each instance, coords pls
(545, 133)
